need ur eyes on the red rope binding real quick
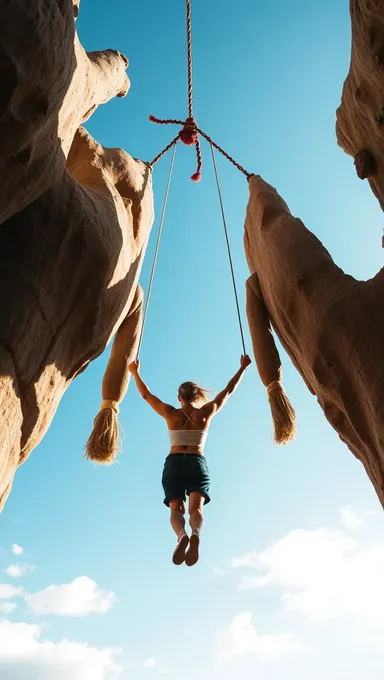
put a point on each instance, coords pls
(196, 177)
(189, 134)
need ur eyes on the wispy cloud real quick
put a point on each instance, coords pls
(242, 639)
(218, 572)
(323, 573)
(24, 654)
(349, 518)
(18, 570)
(149, 663)
(17, 549)
(7, 607)
(78, 598)
(8, 592)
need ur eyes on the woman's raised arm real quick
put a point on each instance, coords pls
(214, 406)
(159, 406)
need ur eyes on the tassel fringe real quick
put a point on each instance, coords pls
(103, 445)
(283, 414)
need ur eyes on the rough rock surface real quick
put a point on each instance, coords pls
(331, 325)
(360, 118)
(74, 220)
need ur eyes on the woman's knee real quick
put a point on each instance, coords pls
(196, 502)
(177, 505)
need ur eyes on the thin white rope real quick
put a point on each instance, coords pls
(159, 233)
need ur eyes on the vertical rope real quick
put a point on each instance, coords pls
(190, 132)
(228, 248)
(189, 47)
(157, 247)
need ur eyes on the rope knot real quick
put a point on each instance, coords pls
(188, 134)
(110, 403)
(274, 386)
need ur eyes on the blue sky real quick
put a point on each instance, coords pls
(290, 579)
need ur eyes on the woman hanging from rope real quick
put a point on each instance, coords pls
(185, 469)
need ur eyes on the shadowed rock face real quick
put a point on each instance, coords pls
(360, 118)
(74, 220)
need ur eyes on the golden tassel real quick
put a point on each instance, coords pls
(103, 445)
(283, 413)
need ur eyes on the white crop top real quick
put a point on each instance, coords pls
(185, 437)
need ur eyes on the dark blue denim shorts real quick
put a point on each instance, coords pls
(184, 473)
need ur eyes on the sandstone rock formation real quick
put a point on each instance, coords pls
(331, 325)
(74, 221)
(360, 118)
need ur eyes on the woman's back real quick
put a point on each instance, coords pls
(191, 419)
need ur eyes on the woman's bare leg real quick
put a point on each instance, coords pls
(195, 509)
(196, 521)
(177, 509)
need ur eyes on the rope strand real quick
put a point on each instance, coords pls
(164, 151)
(189, 134)
(225, 154)
(189, 50)
(174, 143)
(228, 249)
(207, 138)
(189, 46)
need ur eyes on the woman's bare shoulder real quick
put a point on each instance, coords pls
(174, 415)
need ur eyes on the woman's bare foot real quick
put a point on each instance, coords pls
(192, 555)
(179, 552)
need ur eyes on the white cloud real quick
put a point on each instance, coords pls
(17, 549)
(349, 518)
(149, 663)
(324, 574)
(7, 607)
(243, 639)
(8, 592)
(79, 598)
(24, 656)
(18, 570)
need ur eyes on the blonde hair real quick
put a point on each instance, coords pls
(192, 393)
